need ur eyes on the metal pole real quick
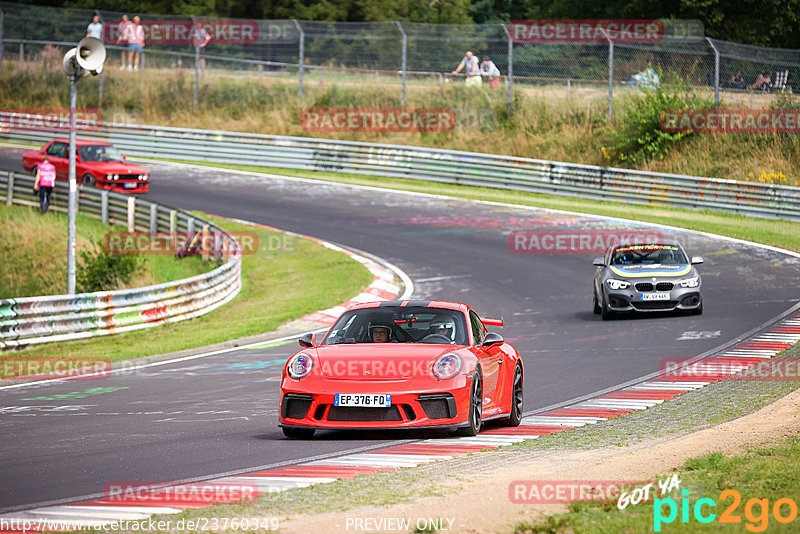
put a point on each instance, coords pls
(716, 73)
(2, 45)
(100, 81)
(510, 68)
(405, 55)
(610, 73)
(196, 65)
(301, 59)
(73, 187)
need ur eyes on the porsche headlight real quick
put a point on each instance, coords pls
(299, 366)
(690, 282)
(617, 284)
(447, 366)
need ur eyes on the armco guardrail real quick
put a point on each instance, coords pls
(447, 166)
(32, 320)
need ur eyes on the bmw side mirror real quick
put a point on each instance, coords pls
(307, 340)
(697, 260)
(492, 338)
(599, 261)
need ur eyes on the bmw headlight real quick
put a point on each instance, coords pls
(299, 366)
(690, 282)
(447, 366)
(111, 177)
(617, 284)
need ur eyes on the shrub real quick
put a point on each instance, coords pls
(101, 271)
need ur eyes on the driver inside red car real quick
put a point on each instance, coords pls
(380, 333)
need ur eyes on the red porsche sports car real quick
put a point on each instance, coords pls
(96, 163)
(402, 364)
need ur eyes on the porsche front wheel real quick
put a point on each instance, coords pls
(475, 407)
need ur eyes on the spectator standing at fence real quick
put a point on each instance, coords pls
(45, 180)
(95, 29)
(136, 42)
(122, 40)
(762, 82)
(200, 38)
(490, 72)
(737, 81)
(471, 64)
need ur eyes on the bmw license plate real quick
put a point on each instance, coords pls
(362, 401)
(655, 296)
(130, 185)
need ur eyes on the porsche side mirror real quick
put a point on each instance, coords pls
(599, 261)
(307, 340)
(697, 260)
(492, 338)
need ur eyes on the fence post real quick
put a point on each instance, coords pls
(22, 51)
(405, 56)
(196, 65)
(131, 215)
(153, 218)
(510, 68)
(104, 206)
(610, 73)
(301, 60)
(2, 44)
(716, 73)
(173, 228)
(100, 81)
(10, 192)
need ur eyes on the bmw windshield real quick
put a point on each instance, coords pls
(395, 324)
(648, 255)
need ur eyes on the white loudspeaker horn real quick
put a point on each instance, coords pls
(91, 54)
(70, 64)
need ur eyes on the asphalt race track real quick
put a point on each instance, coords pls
(218, 414)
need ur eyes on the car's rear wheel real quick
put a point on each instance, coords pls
(516, 399)
(475, 407)
(88, 180)
(298, 433)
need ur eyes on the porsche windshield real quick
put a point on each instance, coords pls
(395, 324)
(100, 153)
(648, 255)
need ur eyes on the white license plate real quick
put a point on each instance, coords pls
(362, 401)
(130, 185)
(655, 296)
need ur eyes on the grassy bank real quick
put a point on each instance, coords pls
(545, 123)
(279, 283)
(33, 249)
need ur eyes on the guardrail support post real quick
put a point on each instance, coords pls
(153, 218)
(226, 243)
(173, 228)
(301, 60)
(204, 245)
(190, 226)
(131, 214)
(10, 192)
(405, 56)
(104, 206)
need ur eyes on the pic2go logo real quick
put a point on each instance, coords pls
(756, 511)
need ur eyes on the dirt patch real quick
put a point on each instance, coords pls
(481, 504)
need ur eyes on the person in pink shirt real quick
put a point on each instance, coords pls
(135, 42)
(45, 180)
(122, 40)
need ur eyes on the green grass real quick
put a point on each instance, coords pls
(784, 234)
(278, 284)
(33, 249)
(770, 472)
